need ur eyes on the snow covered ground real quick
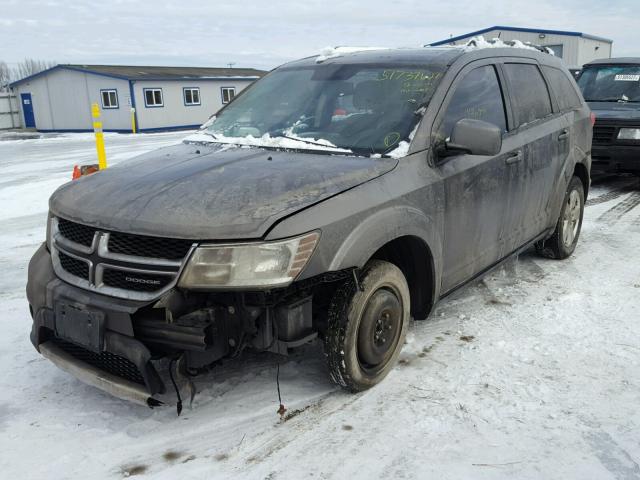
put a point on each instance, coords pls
(532, 373)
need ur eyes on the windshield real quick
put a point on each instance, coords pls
(611, 83)
(362, 109)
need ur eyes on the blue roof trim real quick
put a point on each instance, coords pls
(193, 79)
(172, 128)
(82, 130)
(100, 74)
(63, 67)
(517, 29)
(35, 75)
(122, 77)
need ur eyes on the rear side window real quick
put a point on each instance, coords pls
(564, 91)
(478, 96)
(529, 92)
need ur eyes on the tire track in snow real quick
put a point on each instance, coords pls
(615, 213)
(612, 195)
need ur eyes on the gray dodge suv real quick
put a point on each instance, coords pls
(336, 198)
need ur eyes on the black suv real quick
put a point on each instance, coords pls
(337, 197)
(612, 88)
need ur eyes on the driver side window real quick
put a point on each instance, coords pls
(478, 96)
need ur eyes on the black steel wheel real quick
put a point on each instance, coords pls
(367, 326)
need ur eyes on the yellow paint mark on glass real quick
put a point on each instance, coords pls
(391, 139)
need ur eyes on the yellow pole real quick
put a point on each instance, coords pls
(97, 129)
(133, 120)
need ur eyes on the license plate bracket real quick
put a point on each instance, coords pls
(80, 325)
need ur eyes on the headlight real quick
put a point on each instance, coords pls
(629, 134)
(258, 265)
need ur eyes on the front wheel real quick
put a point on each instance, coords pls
(565, 237)
(367, 326)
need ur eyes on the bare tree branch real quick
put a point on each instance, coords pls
(5, 76)
(30, 66)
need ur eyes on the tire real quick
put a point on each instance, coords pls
(367, 326)
(565, 237)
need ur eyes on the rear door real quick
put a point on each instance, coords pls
(474, 184)
(531, 179)
(573, 141)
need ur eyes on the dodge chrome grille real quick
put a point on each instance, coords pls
(76, 232)
(121, 265)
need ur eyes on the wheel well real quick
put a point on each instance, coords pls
(413, 256)
(582, 173)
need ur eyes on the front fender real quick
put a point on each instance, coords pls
(407, 201)
(382, 227)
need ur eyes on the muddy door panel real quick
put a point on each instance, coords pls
(475, 200)
(530, 183)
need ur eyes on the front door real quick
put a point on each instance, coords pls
(475, 185)
(27, 110)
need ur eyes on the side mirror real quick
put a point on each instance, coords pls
(475, 137)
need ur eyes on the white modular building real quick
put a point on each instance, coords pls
(575, 48)
(155, 98)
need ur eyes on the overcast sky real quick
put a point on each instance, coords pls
(266, 33)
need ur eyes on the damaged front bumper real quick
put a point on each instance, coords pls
(123, 345)
(112, 384)
(122, 366)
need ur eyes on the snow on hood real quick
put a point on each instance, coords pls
(480, 42)
(268, 141)
(210, 191)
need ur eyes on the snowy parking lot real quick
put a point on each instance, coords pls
(531, 373)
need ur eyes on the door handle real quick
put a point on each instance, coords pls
(564, 135)
(514, 158)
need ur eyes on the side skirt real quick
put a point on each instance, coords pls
(499, 263)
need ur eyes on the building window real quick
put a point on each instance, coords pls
(109, 98)
(153, 97)
(558, 50)
(191, 96)
(227, 94)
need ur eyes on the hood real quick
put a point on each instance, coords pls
(210, 192)
(615, 110)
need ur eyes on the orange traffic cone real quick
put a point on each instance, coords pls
(82, 170)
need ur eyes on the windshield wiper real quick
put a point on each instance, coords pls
(205, 132)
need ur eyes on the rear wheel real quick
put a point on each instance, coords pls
(565, 237)
(367, 326)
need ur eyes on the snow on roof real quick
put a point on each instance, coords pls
(333, 52)
(480, 42)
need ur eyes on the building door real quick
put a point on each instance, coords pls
(27, 110)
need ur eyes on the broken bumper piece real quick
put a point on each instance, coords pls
(112, 384)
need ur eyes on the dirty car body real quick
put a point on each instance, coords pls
(336, 211)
